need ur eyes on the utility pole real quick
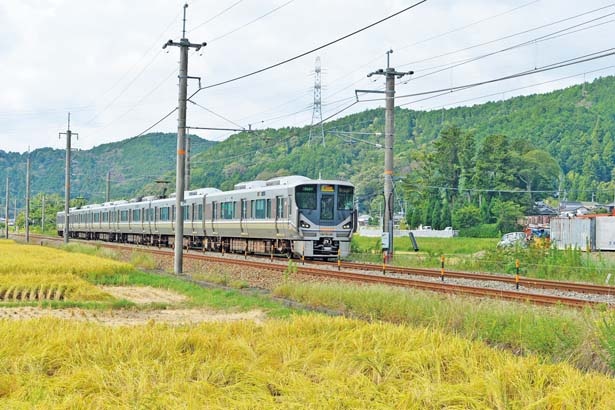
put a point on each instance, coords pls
(187, 163)
(184, 44)
(389, 132)
(69, 135)
(43, 215)
(108, 190)
(6, 210)
(28, 198)
(15, 214)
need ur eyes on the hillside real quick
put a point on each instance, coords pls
(132, 162)
(572, 125)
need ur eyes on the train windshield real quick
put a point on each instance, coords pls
(306, 196)
(345, 198)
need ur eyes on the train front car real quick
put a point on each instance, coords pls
(326, 218)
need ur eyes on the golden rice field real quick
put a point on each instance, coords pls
(305, 362)
(29, 273)
(23, 259)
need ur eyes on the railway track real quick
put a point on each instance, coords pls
(587, 288)
(332, 271)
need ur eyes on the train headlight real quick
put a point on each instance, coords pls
(347, 226)
(305, 225)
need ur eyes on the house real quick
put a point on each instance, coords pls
(540, 215)
(576, 208)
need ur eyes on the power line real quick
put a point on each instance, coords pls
(251, 22)
(215, 17)
(565, 63)
(536, 40)
(424, 41)
(510, 36)
(512, 89)
(217, 115)
(294, 58)
(157, 122)
(308, 52)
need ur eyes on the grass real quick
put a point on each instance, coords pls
(478, 254)
(555, 334)
(306, 362)
(221, 299)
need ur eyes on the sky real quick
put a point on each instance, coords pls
(103, 61)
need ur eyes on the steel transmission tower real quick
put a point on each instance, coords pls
(317, 111)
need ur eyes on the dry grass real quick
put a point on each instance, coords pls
(306, 362)
(33, 287)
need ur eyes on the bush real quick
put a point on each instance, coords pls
(480, 231)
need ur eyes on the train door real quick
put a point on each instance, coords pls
(214, 217)
(279, 213)
(243, 217)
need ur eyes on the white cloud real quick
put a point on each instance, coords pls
(102, 60)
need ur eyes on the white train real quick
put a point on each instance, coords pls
(294, 215)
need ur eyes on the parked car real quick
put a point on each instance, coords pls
(513, 239)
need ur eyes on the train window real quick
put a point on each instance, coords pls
(164, 213)
(150, 214)
(105, 217)
(268, 216)
(306, 196)
(187, 215)
(258, 209)
(97, 217)
(214, 211)
(199, 213)
(124, 216)
(228, 210)
(326, 207)
(173, 212)
(345, 200)
(136, 215)
(279, 207)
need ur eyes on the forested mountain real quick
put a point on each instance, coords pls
(132, 162)
(461, 166)
(560, 143)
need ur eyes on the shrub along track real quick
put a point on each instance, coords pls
(377, 276)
